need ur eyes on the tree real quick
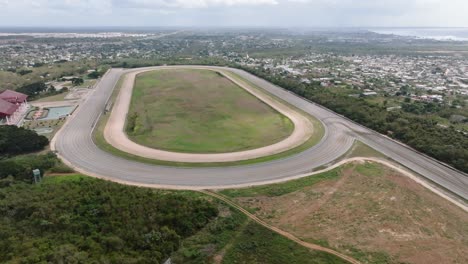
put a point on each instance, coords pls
(33, 88)
(77, 81)
(94, 75)
(17, 140)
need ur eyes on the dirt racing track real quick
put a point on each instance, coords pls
(74, 144)
(115, 135)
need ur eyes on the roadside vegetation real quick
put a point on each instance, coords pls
(200, 111)
(421, 132)
(22, 151)
(364, 210)
(76, 219)
(20, 168)
(16, 140)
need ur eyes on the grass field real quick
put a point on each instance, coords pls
(52, 98)
(99, 140)
(200, 111)
(367, 211)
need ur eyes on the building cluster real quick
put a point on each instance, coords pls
(304, 55)
(425, 78)
(33, 49)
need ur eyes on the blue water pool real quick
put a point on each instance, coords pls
(58, 112)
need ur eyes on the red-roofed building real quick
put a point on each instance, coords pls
(13, 97)
(13, 106)
(7, 108)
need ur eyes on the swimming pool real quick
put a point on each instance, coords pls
(58, 112)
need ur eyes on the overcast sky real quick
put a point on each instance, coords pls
(275, 13)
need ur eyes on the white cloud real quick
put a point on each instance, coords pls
(232, 12)
(52, 4)
(190, 3)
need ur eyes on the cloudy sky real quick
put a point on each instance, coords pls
(276, 13)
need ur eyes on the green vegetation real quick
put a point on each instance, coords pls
(32, 89)
(40, 90)
(279, 189)
(257, 244)
(360, 149)
(100, 141)
(233, 238)
(97, 73)
(102, 144)
(370, 169)
(20, 167)
(420, 132)
(13, 80)
(77, 81)
(356, 210)
(56, 97)
(16, 140)
(214, 238)
(53, 124)
(83, 220)
(77, 219)
(200, 111)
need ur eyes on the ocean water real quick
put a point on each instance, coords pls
(453, 34)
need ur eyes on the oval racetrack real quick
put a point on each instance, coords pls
(75, 146)
(115, 134)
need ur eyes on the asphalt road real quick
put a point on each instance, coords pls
(75, 145)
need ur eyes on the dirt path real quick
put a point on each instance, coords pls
(339, 183)
(281, 232)
(114, 132)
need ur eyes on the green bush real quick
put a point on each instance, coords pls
(17, 140)
(20, 168)
(85, 220)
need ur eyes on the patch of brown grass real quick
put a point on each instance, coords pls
(373, 209)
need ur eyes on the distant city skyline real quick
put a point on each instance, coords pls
(233, 13)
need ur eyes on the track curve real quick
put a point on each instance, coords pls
(74, 144)
(115, 134)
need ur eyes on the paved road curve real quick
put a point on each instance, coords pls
(74, 144)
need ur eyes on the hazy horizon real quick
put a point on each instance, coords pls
(234, 13)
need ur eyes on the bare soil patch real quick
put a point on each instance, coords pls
(372, 212)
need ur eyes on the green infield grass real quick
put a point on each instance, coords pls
(200, 111)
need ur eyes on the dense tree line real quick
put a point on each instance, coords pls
(419, 132)
(17, 140)
(86, 220)
(32, 89)
(129, 63)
